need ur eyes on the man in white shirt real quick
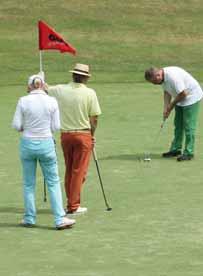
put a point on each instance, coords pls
(182, 92)
(37, 116)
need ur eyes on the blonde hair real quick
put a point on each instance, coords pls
(37, 83)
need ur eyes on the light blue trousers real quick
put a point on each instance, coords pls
(32, 151)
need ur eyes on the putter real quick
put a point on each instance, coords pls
(108, 208)
(147, 155)
(45, 192)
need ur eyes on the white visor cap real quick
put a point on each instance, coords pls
(32, 78)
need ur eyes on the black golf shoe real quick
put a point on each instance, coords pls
(26, 224)
(184, 157)
(171, 153)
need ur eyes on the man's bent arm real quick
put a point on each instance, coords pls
(93, 123)
(167, 99)
(181, 96)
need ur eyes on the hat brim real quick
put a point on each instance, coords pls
(80, 73)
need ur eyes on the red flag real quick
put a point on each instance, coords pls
(50, 40)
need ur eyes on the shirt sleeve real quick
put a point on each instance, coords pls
(53, 91)
(18, 117)
(178, 84)
(55, 119)
(94, 109)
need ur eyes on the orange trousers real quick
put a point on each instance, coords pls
(77, 147)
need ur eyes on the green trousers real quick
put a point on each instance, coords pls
(185, 122)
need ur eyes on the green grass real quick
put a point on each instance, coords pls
(114, 37)
(155, 227)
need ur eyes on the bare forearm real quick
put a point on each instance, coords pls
(178, 99)
(93, 123)
(167, 99)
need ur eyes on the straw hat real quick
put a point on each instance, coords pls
(81, 69)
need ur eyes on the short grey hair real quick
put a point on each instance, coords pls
(150, 73)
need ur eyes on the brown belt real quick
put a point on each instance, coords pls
(76, 130)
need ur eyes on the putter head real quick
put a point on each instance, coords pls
(147, 159)
(109, 209)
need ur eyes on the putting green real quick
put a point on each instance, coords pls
(155, 227)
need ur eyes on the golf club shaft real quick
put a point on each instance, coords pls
(147, 155)
(160, 130)
(45, 192)
(99, 175)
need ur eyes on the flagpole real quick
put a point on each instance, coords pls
(41, 70)
(40, 61)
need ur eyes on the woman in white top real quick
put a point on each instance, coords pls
(37, 116)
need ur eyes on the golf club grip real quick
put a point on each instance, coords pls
(94, 154)
(163, 123)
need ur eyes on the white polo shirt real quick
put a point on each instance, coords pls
(177, 80)
(36, 115)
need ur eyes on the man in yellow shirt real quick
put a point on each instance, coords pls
(79, 110)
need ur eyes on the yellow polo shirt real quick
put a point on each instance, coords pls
(76, 104)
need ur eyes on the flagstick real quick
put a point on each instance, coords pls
(40, 67)
(40, 61)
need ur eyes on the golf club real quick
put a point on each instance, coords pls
(45, 192)
(147, 157)
(100, 180)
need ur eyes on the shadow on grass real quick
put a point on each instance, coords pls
(132, 157)
(18, 225)
(16, 210)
